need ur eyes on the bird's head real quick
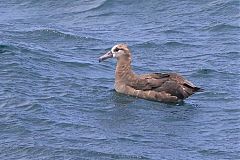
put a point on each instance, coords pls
(119, 51)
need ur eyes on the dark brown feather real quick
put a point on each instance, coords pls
(171, 83)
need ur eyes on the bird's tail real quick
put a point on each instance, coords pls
(198, 89)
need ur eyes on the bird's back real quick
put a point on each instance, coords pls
(170, 83)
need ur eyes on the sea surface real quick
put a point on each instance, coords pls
(58, 102)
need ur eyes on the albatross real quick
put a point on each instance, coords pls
(162, 87)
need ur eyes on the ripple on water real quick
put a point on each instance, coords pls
(222, 27)
(25, 151)
(47, 33)
(7, 49)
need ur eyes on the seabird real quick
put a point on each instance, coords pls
(163, 87)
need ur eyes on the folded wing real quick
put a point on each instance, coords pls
(170, 83)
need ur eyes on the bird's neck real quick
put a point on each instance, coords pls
(123, 70)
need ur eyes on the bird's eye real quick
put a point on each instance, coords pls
(116, 49)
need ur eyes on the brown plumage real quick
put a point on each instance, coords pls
(163, 87)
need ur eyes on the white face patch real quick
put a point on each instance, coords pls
(114, 55)
(112, 50)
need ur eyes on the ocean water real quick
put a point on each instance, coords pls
(58, 102)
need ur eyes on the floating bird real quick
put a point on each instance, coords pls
(163, 87)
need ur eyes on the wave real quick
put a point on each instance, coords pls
(218, 5)
(76, 63)
(152, 44)
(228, 55)
(27, 49)
(29, 106)
(101, 5)
(4, 48)
(51, 33)
(63, 7)
(197, 56)
(213, 72)
(56, 33)
(206, 71)
(100, 15)
(148, 44)
(169, 31)
(222, 27)
(177, 44)
(38, 151)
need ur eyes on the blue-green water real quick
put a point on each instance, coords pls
(58, 102)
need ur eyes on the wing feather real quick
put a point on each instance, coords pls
(171, 83)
